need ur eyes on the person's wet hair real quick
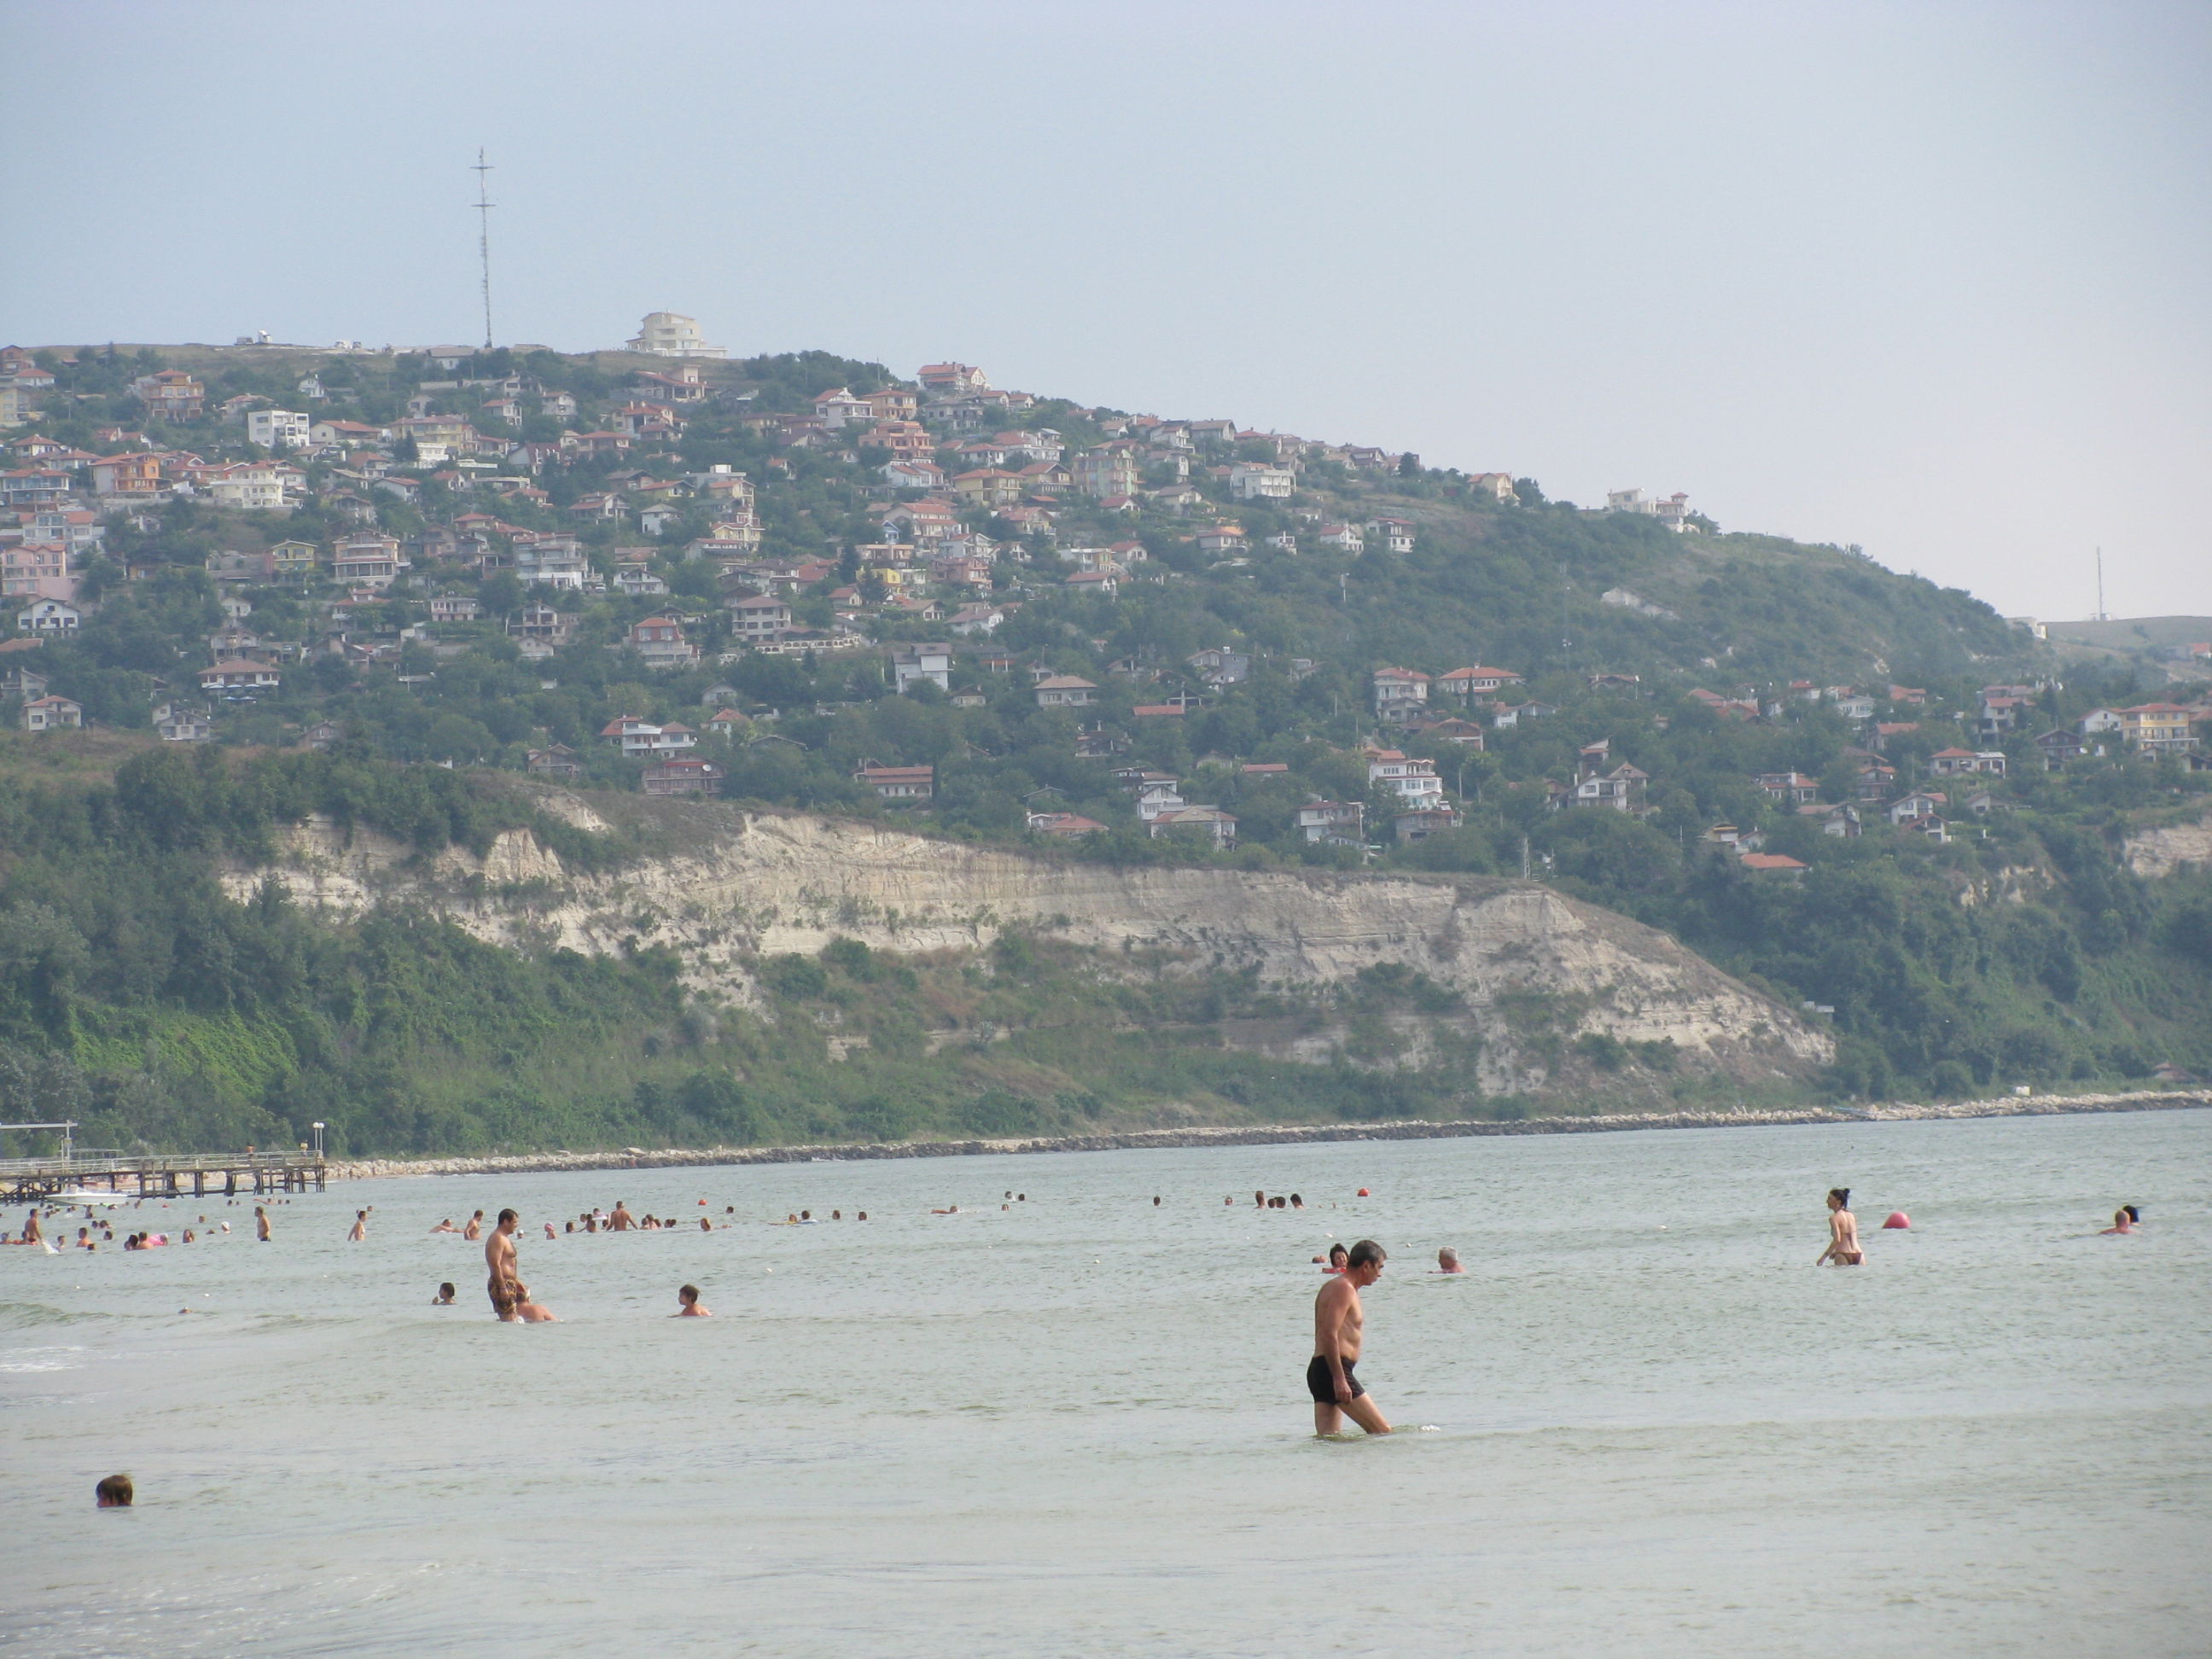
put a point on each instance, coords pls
(1842, 1195)
(505, 1216)
(2133, 1214)
(1367, 1250)
(114, 1491)
(690, 1293)
(1337, 1252)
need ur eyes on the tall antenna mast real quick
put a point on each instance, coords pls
(2100, 584)
(484, 206)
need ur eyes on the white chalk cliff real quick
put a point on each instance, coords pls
(1534, 968)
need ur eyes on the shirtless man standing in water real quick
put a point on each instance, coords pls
(1340, 1325)
(1843, 1232)
(504, 1275)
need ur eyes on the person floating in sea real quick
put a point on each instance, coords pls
(2125, 1219)
(501, 1280)
(690, 1307)
(1843, 1232)
(1339, 1330)
(446, 1226)
(114, 1491)
(475, 1229)
(445, 1296)
(1334, 1261)
(1447, 1261)
(527, 1312)
(261, 1224)
(360, 1230)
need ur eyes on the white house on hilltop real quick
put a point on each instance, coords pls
(671, 334)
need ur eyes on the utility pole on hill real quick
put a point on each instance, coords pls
(483, 236)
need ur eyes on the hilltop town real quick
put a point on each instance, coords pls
(419, 518)
(989, 614)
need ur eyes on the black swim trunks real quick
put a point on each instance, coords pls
(1322, 1387)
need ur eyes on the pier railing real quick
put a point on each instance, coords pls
(159, 1174)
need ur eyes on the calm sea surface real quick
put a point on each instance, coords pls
(1080, 1426)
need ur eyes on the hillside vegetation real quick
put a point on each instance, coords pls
(139, 993)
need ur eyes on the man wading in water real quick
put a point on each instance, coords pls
(1340, 1325)
(500, 1263)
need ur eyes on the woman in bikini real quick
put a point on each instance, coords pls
(1843, 1232)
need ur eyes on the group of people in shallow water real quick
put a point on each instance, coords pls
(100, 1231)
(1340, 1319)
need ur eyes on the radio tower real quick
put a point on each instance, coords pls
(483, 237)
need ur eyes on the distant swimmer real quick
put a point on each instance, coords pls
(1340, 1329)
(446, 1226)
(706, 1225)
(360, 1230)
(621, 1221)
(445, 1296)
(1447, 1261)
(1843, 1232)
(502, 1280)
(475, 1229)
(1334, 1261)
(2125, 1219)
(549, 1233)
(114, 1491)
(261, 1224)
(32, 1232)
(690, 1306)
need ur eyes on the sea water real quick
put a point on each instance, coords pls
(1643, 1422)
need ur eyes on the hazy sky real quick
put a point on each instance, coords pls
(1933, 279)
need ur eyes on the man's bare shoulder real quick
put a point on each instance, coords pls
(1334, 1293)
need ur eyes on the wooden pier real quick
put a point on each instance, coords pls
(196, 1174)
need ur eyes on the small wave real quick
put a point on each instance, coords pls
(13, 1360)
(40, 1313)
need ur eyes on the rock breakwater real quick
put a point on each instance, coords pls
(1266, 1135)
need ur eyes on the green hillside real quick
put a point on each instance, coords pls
(2012, 946)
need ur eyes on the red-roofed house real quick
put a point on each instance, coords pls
(238, 677)
(1773, 863)
(1471, 682)
(898, 783)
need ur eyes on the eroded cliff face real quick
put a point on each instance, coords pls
(1534, 969)
(2156, 852)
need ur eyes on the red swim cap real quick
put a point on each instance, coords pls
(1897, 1218)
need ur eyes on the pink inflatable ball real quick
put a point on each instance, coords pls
(1897, 1218)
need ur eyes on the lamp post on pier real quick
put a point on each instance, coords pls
(318, 1127)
